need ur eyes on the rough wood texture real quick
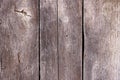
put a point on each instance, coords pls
(70, 39)
(102, 40)
(48, 40)
(18, 40)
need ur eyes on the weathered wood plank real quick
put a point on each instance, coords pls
(102, 28)
(19, 40)
(70, 39)
(48, 40)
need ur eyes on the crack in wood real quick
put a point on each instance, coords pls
(22, 12)
(19, 58)
(0, 21)
(1, 62)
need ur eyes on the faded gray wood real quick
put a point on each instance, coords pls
(48, 40)
(70, 39)
(19, 40)
(102, 40)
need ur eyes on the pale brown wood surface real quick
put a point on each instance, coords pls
(48, 40)
(60, 38)
(102, 40)
(70, 39)
(19, 40)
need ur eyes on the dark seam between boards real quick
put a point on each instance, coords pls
(83, 40)
(39, 36)
(57, 40)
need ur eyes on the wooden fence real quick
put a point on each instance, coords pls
(59, 39)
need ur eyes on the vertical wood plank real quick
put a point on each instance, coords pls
(19, 40)
(70, 39)
(48, 40)
(102, 36)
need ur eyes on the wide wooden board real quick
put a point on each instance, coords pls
(70, 39)
(48, 40)
(19, 40)
(102, 40)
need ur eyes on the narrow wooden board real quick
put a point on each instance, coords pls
(48, 40)
(70, 39)
(102, 40)
(19, 40)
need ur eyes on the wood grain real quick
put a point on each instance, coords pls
(19, 40)
(70, 39)
(48, 40)
(102, 21)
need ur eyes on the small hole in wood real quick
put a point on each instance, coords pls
(66, 35)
